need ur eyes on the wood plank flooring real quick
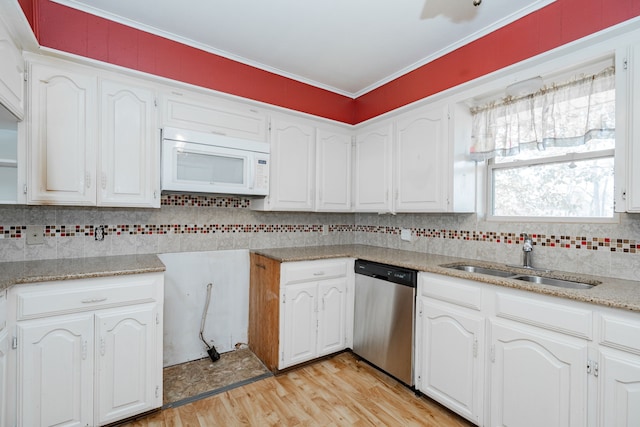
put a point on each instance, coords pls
(339, 391)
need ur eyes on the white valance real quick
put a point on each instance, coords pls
(560, 115)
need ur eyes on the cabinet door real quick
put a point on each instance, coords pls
(63, 136)
(450, 358)
(372, 181)
(129, 147)
(55, 371)
(292, 185)
(332, 311)
(334, 172)
(4, 354)
(420, 152)
(212, 114)
(300, 323)
(11, 74)
(619, 394)
(538, 378)
(633, 162)
(128, 381)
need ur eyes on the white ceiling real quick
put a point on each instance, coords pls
(346, 46)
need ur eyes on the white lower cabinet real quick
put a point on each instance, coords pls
(332, 313)
(508, 357)
(450, 330)
(619, 389)
(55, 371)
(538, 378)
(300, 323)
(451, 357)
(4, 354)
(618, 368)
(125, 342)
(89, 352)
(316, 306)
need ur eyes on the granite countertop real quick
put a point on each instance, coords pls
(611, 292)
(14, 273)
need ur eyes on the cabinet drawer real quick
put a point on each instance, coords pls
(456, 291)
(53, 298)
(622, 332)
(303, 271)
(561, 317)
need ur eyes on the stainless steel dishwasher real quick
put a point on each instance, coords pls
(384, 317)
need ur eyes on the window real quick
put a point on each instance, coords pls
(550, 153)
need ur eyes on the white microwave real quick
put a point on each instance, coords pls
(213, 163)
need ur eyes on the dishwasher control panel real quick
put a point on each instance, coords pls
(400, 275)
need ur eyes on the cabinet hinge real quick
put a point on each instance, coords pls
(157, 319)
(625, 64)
(155, 102)
(24, 189)
(475, 347)
(282, 356)
(14, 343)
(493, 353)
(624, 195)
(157, 391)
(593, 368)
(26, 73)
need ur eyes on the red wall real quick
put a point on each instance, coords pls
(76, 32)
(557, 24)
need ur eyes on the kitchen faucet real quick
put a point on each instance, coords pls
(527, 249)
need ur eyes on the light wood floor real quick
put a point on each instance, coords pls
(339, 391)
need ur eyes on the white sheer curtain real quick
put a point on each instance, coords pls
(560, 115)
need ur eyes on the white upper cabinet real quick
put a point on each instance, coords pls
(334, 171)
(129, 146)
(11, 73)
(421, 148)
(63, 135)
(292, 172)
(372, 169)
(92, 140)
(630, 110)
(211, 114)
(418, 163)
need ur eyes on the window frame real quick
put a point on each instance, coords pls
(491, 165)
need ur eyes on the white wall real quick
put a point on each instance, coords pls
(186, 279)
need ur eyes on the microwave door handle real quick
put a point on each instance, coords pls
(251, 175)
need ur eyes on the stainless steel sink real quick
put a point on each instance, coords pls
(554, 282)
(539, 280)
(482, 270)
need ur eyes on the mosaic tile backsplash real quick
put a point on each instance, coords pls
(198, 223)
